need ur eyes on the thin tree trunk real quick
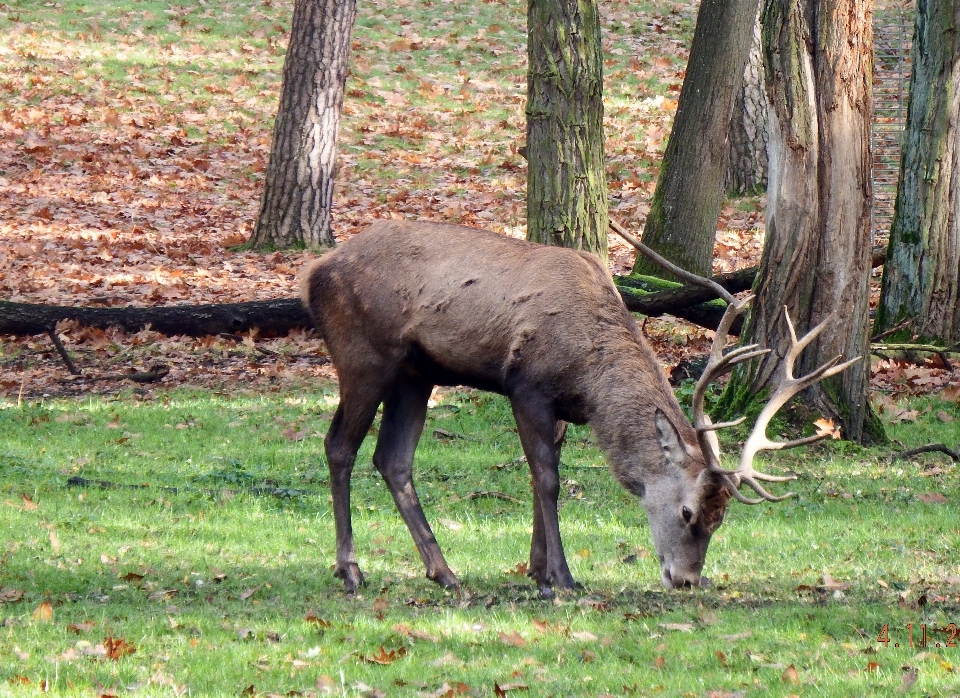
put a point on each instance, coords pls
(747, 166)
(298, 197)
(922, 279)
(816, 261)
(566, 178)
(682, 222)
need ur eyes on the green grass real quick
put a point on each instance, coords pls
(227, 519)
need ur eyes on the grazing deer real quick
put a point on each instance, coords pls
(406, 306)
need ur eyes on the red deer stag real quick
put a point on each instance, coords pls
(406, 306)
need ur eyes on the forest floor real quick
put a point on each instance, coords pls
(136, 135)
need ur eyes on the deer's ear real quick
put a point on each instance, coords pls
(674, 451)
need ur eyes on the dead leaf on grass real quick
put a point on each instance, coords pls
(932, 498)
(409, 632)
(380, 606)
(826, 427)
(43, 613)
(83, 627)
(248, 593)
(383, 657)
(117, 647)
(790, 675)
(831, 584)
(520, 569)
(316, 620)
(512, 638)
(10, 595)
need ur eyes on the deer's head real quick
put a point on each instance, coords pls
(687, 501)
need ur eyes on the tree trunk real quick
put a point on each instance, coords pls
(922, 280)
(816, 261)
(747, 166)
(295, 209)
(682, 222)
(566, 177)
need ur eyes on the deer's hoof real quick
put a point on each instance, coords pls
(352, 577)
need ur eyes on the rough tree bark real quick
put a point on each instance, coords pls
(566, 178)
(816, 260)
(682, 222)
(747, 165)
(298, 196)
(922, 280)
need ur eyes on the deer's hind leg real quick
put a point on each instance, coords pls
(404, 411)
(359, 399)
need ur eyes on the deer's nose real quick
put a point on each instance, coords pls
(676, 580)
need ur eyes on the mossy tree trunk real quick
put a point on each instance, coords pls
(682, 222)
(566, 178)
(921, 279)
(297, 201)
(816, 260)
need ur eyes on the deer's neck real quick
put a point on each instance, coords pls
(629, 388)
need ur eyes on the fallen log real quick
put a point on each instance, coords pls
(282, 315)
(274, 316)
(646, 295)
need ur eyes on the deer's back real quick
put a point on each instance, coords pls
(468, 305)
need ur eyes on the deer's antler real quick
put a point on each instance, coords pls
(718, 364)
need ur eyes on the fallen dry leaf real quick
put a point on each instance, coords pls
(790, 675)
(584, 636)
(826, 427)
(512, 638)
(932, 498)
(117, 648)
(406, 631)
(831, 584)
(383, 657)
(248, 593)
(319, 622)
(43, 613)
(10, 595)
(520, 569)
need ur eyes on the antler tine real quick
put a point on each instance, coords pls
(718, 364)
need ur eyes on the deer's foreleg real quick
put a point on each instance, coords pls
(541, 436)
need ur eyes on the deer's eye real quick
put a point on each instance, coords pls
(686, 514)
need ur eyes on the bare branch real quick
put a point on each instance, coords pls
(670, 266)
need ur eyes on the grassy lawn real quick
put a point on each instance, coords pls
(204, 564)
(180, 541)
